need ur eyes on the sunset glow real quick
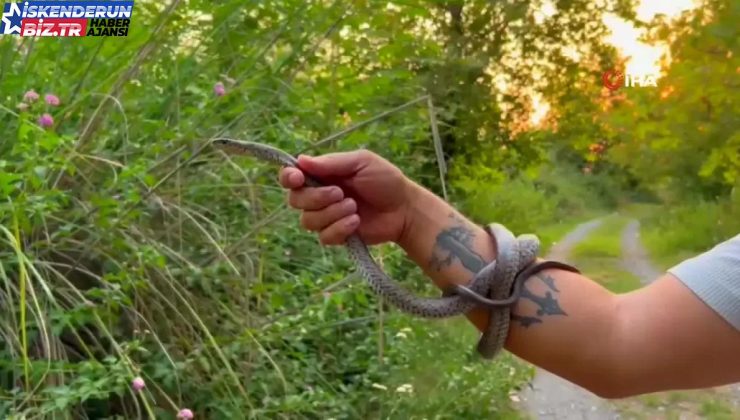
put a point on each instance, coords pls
(642, 58)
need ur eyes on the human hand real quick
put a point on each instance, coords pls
(365, 194)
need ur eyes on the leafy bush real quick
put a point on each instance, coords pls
(675, 232)
(555, 194)
(130, 250)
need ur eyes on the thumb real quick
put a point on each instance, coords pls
(334, 164)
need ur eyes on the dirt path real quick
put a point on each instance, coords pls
(549, 396)
(634, 257)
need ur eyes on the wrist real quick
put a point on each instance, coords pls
(418, 202)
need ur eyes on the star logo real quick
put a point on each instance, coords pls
(12, 20)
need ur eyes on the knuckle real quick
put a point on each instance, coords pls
(323, 193)
(365, 154)
(327, 194)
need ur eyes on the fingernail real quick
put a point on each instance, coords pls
(350, 205)
(294, 178)
(336, 194)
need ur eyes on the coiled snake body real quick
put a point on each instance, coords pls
(491, 287)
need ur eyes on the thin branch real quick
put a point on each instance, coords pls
(359, 125)
(438, 147)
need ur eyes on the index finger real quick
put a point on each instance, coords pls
(291, 178)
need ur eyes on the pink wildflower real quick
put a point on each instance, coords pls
(219, 89)
(30, 96)
(138, 384)
(46, 121)
(185, 414)
(51, 99)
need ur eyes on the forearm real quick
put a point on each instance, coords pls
(656, 338)
(564, 322)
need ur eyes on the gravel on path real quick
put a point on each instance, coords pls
(634, 257)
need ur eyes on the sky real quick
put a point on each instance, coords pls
(644, 59)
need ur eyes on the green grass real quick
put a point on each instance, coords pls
(716, 410)
(598, 256)
(604, 241)
(446, 377)
(552, 233)
(704, 404)
(674, 233)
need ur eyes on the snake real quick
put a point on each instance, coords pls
(493, 287)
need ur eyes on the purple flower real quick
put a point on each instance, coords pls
(138, 384)
(51, 99)
(30, 96)
(219, 89)
(185, 414)
(46, 121)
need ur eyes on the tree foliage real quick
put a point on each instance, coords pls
(682, 139)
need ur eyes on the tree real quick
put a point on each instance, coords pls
(683, 138)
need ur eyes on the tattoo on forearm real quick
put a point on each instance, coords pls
(546, 305)
(549, 281)
(456, 243)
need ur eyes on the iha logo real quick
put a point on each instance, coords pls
(66, 18)
(615, 79)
